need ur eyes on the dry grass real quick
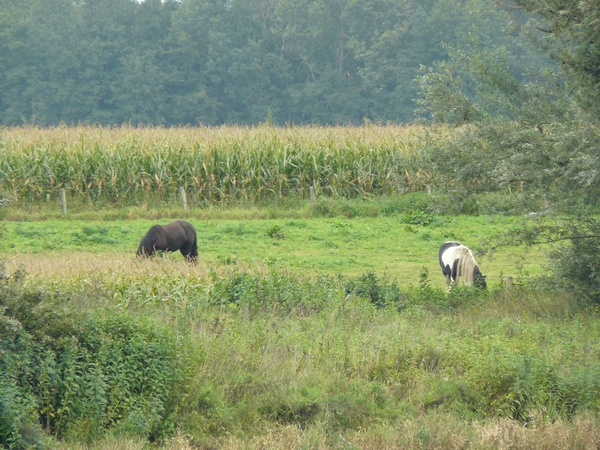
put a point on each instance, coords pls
(582, 433)
(431, 432)
(77, 264)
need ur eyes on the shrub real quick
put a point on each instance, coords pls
(80, 374)
(380, 291)
(276, 290)
(574, 258)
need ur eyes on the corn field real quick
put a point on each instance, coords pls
(124, 164)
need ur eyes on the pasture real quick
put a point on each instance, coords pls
(272, 350)
(350, 247)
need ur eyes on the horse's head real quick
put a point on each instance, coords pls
(479, 279)
(142, 251)
(148, 243)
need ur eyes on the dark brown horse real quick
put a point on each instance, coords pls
(179, 235)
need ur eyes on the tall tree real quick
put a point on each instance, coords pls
(141, 93)
(569, 32)
(38, 51)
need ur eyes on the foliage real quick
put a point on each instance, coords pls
(568, 32)
(297, 351)
(381, 292)
(543, 134)
(533, 129)
(573, 245)
(79, 374)
(244, 62)
(541, 138)
(275, 232)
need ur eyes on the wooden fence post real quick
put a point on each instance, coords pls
(63, 201)
(428, 189)
(312, 197)
(183, 198)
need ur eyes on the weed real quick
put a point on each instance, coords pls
(420, 217)
(237, 229)
(90, 230)
(79, 374)
(379, 291)
(275, 232)
(229, 260)
(228, 353)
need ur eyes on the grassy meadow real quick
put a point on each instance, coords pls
(301, 326)
(331, 246)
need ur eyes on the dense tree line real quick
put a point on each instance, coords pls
(225, 62)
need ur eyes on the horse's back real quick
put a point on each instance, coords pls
(459, 253)
(447, 249)
(181, 229)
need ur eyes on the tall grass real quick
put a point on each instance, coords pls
(213, 164)
(275, 360)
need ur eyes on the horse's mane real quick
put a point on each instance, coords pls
(466, 265)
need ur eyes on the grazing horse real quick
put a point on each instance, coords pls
(458, 262)
(179, 235)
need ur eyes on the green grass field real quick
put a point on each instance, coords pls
(272, 350)
(386, 245)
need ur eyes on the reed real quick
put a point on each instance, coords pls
(127, 164)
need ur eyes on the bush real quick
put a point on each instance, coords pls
(18, 417)
(79, 374)
(277, 290)
(380, 291)
(574, 258)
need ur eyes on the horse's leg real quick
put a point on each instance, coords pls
(455, 273)
(194, 250)
(187, 250)
(448, 282)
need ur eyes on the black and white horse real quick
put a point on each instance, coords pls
(458, 263)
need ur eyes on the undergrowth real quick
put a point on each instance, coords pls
(77, 373)
(237, 352)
